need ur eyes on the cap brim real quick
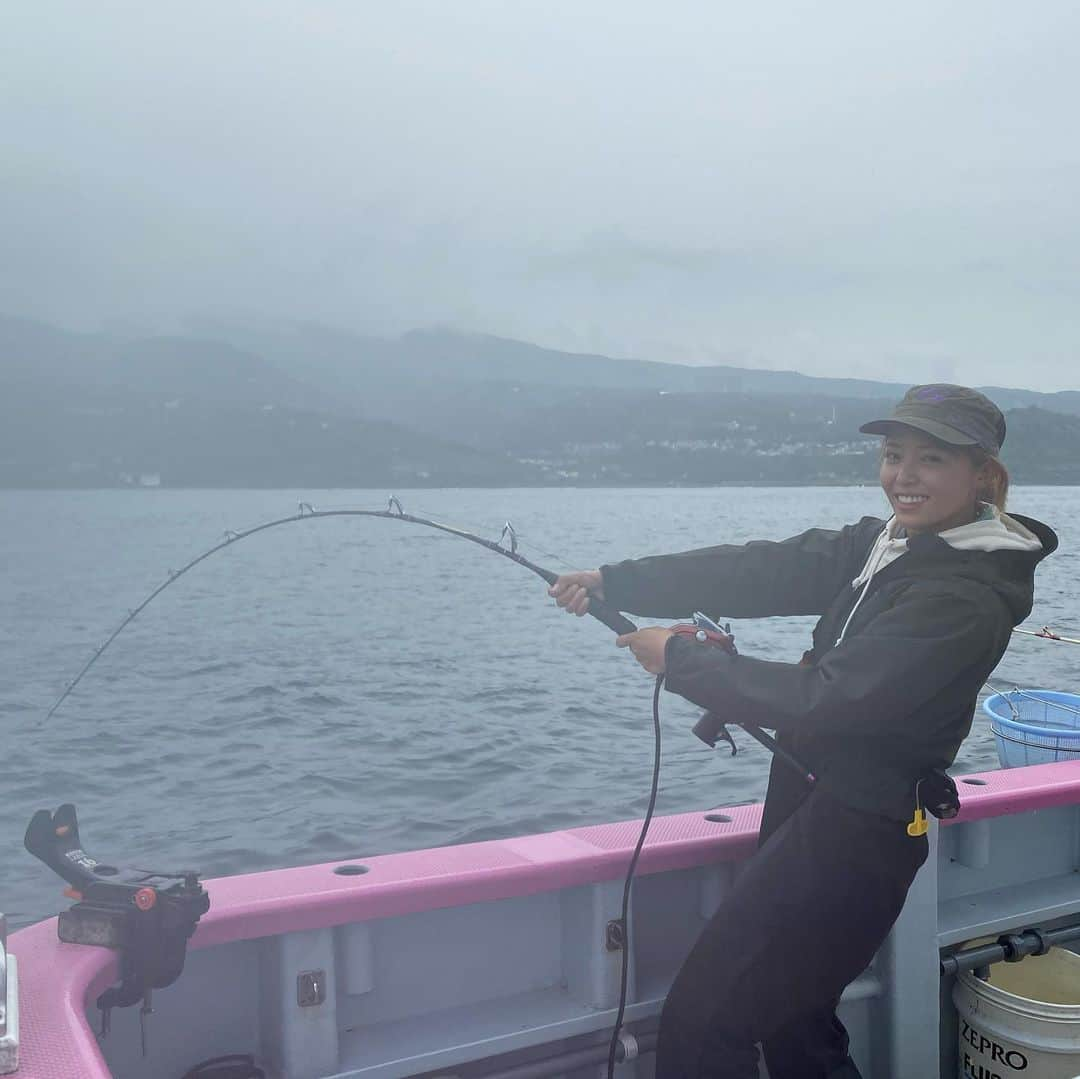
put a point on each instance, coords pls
(940, 431)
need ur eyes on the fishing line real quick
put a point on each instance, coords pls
(1044, 634)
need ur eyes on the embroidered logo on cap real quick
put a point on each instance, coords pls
(931, 393)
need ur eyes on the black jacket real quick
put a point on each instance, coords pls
(869, 715)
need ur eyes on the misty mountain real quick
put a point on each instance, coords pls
(494, 394)
(1042, 446)
(191, 444)
(308, 350)
(110, 368)
(101, 410)
(311, 406)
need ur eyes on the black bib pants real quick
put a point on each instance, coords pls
(803, 919)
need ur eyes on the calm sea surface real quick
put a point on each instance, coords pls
(340, 688)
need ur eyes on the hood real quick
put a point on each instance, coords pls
(1009, 570)
(992, 531)
(999, 550)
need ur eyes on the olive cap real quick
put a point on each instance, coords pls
(956, 415)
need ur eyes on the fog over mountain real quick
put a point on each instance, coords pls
(308, 406)
(884, 192)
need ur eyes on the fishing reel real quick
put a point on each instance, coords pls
(710, 728)
(722, 638)
(146, 916)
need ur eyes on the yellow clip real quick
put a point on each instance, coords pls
(919, 825)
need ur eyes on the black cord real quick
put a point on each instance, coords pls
(625, 916)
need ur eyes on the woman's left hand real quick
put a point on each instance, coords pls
(648, 646)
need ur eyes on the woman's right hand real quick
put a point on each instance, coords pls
(571, 591)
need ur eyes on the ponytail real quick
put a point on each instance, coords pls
(995, 487)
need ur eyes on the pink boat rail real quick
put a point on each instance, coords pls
(57, 980)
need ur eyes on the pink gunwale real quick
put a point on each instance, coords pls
(57, 980)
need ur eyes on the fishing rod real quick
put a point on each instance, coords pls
(611, 618)
(1047, 634)
(306, 512)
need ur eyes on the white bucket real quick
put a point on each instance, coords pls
(1022, 1024)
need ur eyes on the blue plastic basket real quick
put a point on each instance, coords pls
(1034, 726)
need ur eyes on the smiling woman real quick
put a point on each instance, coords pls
(914, 614)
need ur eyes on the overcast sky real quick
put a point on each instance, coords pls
(884, 190)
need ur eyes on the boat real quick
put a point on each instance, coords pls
(503, 958)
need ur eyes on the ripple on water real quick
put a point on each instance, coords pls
(503, 695)
(265, 719)
(210, 668)
(249, 771)
(229, 860)
(234, 747)
(10, 707)
(324, 843)
(594, 712)
(321, 700)
(512, 708)
(255, 693)
(422, 661)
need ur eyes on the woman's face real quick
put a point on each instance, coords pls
(931, 487)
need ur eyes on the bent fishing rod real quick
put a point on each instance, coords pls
(599, 610)
(615, 621)
(306, 512)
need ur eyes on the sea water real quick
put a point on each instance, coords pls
(334, 689)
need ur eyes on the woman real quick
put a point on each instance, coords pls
(915, 614)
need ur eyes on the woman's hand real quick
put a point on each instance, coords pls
(648, 646)
(572, 590)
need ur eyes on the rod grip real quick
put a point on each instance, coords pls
(597, 608)
(610, 617)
